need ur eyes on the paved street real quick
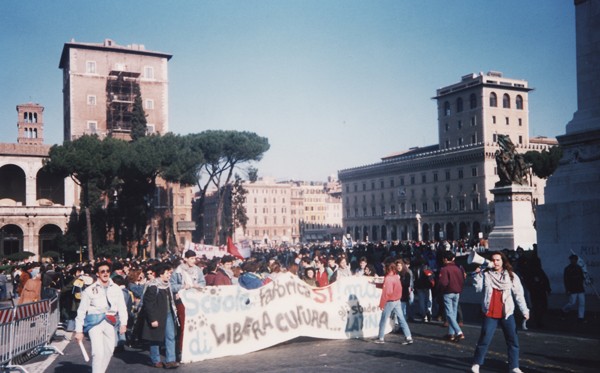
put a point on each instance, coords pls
(541, 351)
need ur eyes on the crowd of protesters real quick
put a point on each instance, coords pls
(425, 271)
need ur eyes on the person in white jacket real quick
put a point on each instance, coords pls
(101, 311)
(499, 285)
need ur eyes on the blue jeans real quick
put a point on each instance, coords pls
(451, 307)
(576, 298)
(510, 335)
(169, 343)
(424, 296)
(385, 315)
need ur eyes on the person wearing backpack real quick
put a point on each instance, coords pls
(425, 281)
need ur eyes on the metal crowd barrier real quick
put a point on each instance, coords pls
(26, 328)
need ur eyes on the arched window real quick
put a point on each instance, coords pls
(506, 101)
(493, 100)
(446, 108)
(472, 101)
(519, 102)
(459, 105)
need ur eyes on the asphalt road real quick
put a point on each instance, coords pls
(541, 351)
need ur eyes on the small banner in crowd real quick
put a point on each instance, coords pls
(230, 320)
(211, 251)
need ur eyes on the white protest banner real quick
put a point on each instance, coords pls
(209, 251)
(230, 320)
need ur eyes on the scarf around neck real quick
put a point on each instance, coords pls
(501, 281)
(160, 284)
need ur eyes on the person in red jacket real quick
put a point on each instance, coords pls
(450, 284)
(224, 273)
(390, 302)
(321, 276)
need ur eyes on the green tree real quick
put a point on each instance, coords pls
(223, 152)
(238, 201)
(169, 157)
(90, 162)
(544, 163)
(252, 174)
(138, 115)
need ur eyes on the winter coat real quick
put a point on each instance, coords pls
(482, 282)
(451, 279)
(32, 291)
(221, 278)
(574, 279)
(156, 307)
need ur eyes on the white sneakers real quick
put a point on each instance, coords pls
(475, 369)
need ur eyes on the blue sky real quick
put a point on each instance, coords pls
(331, 84)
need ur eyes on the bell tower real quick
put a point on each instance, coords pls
(30, 124)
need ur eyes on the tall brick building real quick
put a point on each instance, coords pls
(99, 82)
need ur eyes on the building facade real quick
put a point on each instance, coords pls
(442, 191)
(100, 85)
(99, 88)
(35, 206)
(284, 212)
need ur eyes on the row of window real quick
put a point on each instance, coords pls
(459, 124)
(30, 133)
(507, 120)
(402, 193)
(374, 212)
(92, 128)
(91, 68)
(148, 103)
(413, 179)
(267, 232)
(460, 141)
(266, 220)
(30, 117)
(265, 200)
(266, 191)
(265, 210)
(506, 103)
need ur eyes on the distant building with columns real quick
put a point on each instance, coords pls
(442, 191)
(34, 206)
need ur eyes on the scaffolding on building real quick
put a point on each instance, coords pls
(120, 91)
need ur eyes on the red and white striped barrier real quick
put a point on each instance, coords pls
(26, 327)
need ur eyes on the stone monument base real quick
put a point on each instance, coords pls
(569, 220)
(514, 218)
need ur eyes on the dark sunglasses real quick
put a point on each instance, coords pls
(104, 271)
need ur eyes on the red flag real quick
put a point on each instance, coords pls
(231, 249)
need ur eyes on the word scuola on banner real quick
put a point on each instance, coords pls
(230, 320)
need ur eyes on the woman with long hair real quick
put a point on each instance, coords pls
(499, 284)
(390, 302)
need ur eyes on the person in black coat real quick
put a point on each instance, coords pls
(538, 284)
(160, 317)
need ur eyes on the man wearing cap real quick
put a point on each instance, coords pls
(186, 276)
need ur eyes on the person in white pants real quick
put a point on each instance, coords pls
(101, 310)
